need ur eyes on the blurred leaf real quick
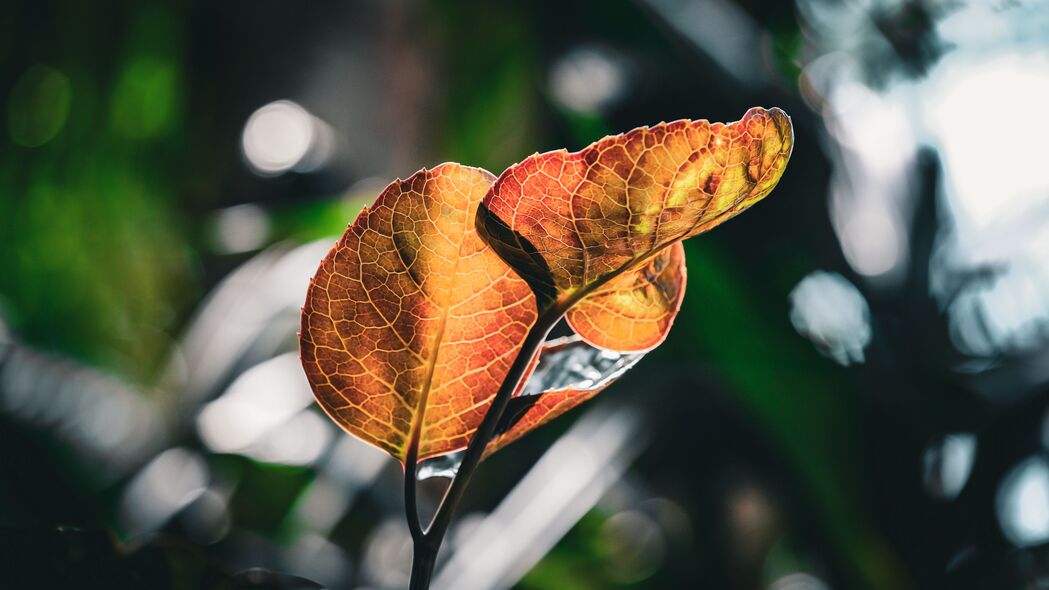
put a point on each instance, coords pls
(39, 106)
(577, 563)
(144, 104)
(490, 107)
(263, 579)
(97, 264)
(802, 407)
(318, 219)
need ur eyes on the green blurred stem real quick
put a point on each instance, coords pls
(428, 542)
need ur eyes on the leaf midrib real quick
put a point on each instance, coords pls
(415, 437)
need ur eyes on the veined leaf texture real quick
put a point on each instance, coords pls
(413, 319)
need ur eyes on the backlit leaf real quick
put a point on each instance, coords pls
(635, 310)
(570, 223)
(412, 321)
(569, 372)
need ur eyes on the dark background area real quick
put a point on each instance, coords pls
(854, 394)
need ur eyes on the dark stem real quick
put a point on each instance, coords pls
(428, 542)
(411, 504)
(475, 451)
(423, 560)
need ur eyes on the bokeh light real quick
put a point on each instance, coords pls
(828, 310)
(799, 581)
(259, 401)
(241, 228)
(997, 209)
(588, 79)
(166, 485)
(1023, 503)
(283, 136)
(947, 464)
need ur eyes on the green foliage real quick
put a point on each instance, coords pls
(95, 262)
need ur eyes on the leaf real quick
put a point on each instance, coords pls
(635, 310)
(569, 372)
(571, 223)
(412, 321)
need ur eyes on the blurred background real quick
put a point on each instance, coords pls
(854, 396)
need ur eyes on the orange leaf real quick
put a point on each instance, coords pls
(570, 223)
(615, 326)
(569, 372)
(635, 310)
(412, 321)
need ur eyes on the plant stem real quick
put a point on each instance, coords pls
(428, 542)
(423, 560)
(411, 504)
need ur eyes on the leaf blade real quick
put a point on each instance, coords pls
(570, 222)
(634, 311)
(412, 321)
(569, 372)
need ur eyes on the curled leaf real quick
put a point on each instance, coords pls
(569, 372)
(412, 321)
(570, 223)
(635, 310)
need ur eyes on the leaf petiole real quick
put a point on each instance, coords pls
(427, 542)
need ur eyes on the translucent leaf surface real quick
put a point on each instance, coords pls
(569, 372)
(570, 223)
(412, 321)
(635, 310)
